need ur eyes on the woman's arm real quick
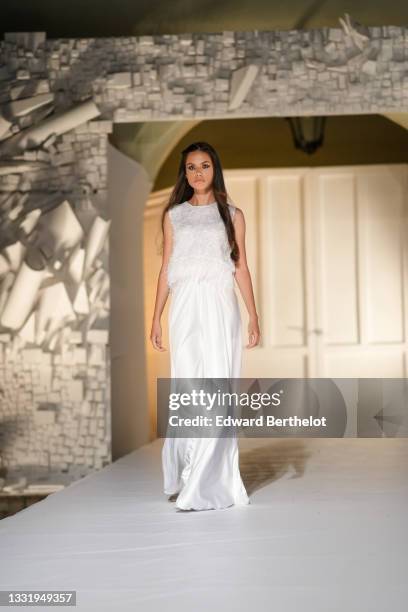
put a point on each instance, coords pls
(243, 279)
(162, 291)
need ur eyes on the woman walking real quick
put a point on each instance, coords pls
(203, 250)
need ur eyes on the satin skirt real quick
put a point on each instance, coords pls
(205, 342)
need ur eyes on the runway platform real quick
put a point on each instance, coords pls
(326, 530)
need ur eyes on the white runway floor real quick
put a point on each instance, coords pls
(332, 538)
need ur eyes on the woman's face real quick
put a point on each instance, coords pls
(199, 171)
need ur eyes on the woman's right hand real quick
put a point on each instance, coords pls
(156, 336)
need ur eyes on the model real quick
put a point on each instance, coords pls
(203, 251)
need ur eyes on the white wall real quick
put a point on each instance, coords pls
(128, 189)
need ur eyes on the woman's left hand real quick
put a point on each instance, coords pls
(254, 333)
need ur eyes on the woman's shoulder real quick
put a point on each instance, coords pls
(233, 210)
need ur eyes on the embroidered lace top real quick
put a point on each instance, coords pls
(200, 245)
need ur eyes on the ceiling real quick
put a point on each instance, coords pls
(267, 143)
(97, 18)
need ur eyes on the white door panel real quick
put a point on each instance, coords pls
(360, 243)
(328, 258)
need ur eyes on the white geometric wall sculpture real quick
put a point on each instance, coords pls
(54, 283)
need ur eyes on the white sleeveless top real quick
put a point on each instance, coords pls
(201, 249)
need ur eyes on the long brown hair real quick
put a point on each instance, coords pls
(183, 191)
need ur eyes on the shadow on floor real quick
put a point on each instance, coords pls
(267, 463)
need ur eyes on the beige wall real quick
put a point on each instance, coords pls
(158, 363)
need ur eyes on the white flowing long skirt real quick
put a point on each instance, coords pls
(205, 342)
